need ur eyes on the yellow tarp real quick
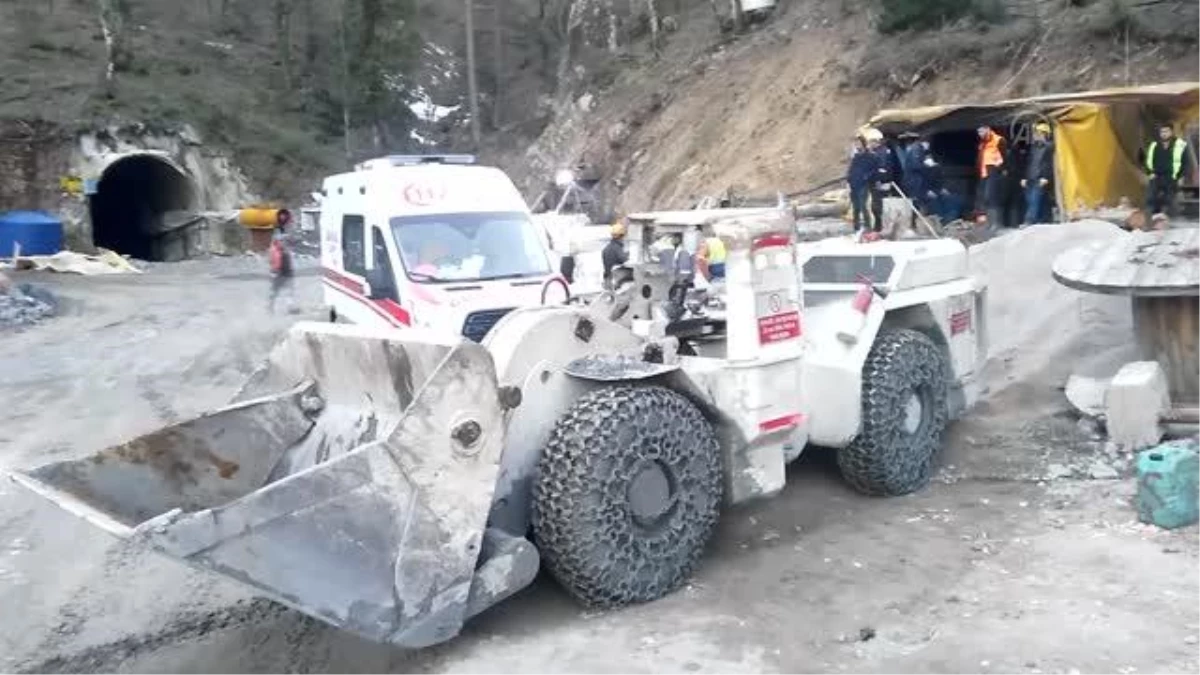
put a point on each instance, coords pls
(1097, 134)
(1092, 165)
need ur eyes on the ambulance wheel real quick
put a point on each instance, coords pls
(627, 495)
(904, 413)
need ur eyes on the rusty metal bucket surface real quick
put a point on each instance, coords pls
(350, 479)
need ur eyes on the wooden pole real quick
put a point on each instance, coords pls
(472, 85)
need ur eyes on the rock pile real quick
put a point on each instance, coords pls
(22, 305)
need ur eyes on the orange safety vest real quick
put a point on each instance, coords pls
(989, 152)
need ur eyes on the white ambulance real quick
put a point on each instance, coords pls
(433, 241)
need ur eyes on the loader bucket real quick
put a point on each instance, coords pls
(350, 480)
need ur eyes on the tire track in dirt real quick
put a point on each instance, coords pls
(184, 627)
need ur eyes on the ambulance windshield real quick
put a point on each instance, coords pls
(469, 247)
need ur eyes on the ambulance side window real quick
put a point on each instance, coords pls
(381, 261)
(353, 246)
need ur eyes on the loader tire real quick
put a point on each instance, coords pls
(627, 496)
(904, 412)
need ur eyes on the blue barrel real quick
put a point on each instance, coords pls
(1167, 484)
(38, 233)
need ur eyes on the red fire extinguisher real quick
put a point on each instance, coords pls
(856, 316)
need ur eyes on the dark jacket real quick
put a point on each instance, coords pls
(883, 166)
(1040, 162)
(613, 254)
(1164, 160)
(863, 166)
(915, 171)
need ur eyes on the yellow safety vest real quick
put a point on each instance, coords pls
(1177, 149)
(716, 250)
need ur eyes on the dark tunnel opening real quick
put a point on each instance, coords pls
(130, 201)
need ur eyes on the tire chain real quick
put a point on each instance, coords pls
(581, 518)
(881, 460)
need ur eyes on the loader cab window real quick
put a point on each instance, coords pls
(845, 269)
(353, 247)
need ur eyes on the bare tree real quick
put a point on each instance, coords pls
(345, 80)
(114, 15)
(283, 38)
(652, 10)
(498, 93)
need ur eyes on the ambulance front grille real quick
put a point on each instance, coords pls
(479, 323)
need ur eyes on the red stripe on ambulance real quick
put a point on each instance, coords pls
(389, 310)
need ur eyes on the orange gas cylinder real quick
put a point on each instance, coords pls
(258, 218)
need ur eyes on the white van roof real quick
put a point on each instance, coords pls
(399, 188)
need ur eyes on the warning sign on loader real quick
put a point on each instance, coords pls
(778, 319)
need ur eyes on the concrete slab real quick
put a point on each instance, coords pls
(1135, 401)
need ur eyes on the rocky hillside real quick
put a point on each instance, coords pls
(665, 99)
(774, 108)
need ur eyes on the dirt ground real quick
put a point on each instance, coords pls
(1023, 556)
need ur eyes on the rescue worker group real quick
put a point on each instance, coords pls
(708, 259)
(1014, 185)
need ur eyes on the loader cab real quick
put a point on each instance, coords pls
(431, 241)
(754, 310)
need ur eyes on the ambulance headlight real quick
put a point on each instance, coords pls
(564, 178)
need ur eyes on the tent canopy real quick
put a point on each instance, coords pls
(1098, 134)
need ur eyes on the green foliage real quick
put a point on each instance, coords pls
(901, 15)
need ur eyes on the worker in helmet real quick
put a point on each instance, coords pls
(859, 175)
(710, 258)
(1039, 173)
(991, 174)
(614, 252)
(881, 178)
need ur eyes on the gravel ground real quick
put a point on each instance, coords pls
(1024, 555)
(23, 305)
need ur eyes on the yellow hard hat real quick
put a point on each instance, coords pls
(617, 229)
(1042, 128)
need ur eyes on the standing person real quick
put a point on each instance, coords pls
(882, 179)
(915, 179)
(282, 271)
(991, 175)
(710, 257)
(1039, 172)
(1167, 162)
(858, 176)
(614, 252)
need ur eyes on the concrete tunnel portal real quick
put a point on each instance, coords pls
(132, 197)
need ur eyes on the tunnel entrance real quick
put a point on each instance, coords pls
(131, 202)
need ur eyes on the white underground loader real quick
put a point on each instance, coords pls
(396, 483)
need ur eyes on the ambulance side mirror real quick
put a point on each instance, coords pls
(383, 287)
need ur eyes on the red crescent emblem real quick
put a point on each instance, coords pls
(424, 194)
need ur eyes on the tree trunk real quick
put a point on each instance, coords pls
(613, 45)
(312, 44)
(652, 10)
(345, 82)
(498, 94)
(283, 39)
(114, 15)
(472, 85)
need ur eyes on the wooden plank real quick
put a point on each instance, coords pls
(1168, 331)
(1142, 264)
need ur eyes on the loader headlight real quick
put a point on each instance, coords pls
(564, 177)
